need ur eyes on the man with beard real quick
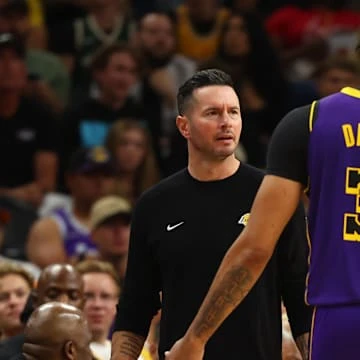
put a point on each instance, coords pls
(182, 227)
(165, 71)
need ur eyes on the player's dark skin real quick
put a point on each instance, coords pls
(59, 282)
(57, 331)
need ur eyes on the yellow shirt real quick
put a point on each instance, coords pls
(36, 13)
(197, 46)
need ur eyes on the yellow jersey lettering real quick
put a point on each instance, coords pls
(351, 227)
(349, 136)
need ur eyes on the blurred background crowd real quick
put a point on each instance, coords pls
(87, 121)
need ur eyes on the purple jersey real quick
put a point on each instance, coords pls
(77, 241)
(334, 213)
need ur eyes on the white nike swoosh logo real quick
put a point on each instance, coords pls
(172, 227)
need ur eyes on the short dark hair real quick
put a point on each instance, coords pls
(200, 79)
(101, 58)
(171, 16)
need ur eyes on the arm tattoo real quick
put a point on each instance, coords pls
(302, 342)
(131, 345)
(233, 288)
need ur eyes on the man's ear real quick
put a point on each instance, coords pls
(182, 124)
(70, 350)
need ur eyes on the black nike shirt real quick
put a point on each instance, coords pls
(181, 230)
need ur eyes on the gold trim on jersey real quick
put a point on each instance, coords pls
(309, 260)
(311, 124)
(312, 333)
(351, 92)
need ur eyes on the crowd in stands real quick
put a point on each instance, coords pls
(87, 124)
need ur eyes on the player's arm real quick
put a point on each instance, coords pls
(140, 299)
(45, 244)
(293, 257)
(46, 166)
(241, 267)
(302, 343)
(274, 204)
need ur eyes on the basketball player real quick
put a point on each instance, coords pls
(314, 148)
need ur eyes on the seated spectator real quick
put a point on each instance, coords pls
(130, 145)
(57, 282)
(164, 72)
(15, 286)
(105, 24)
(198, 28)
(328, 78)
(48, 78)
(86, 124)
(246, 53)
(335, 74)
(110, 231)
(64, 235)
(27, 131)
(305, 37)
(102, 290)
(57, 331)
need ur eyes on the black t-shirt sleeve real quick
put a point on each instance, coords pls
(140, 299)
(47, 133)
(293, 262)
(287, 154)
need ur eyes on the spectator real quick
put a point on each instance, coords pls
(49, 79)
(164, 72)
(115, 73)
(328, 78)
(247, 55)
(15, 286)
(27, 131)
(104, 25)
(305, 37)
(110, 231)
(336, 74)
(64, 235)
(130, 144)
(199, 24)
(101, 290)
(57, 331)
(57, 282)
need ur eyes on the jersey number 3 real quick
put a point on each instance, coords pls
(351, 229)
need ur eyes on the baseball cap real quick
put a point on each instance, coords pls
(89, 160)
(11, 41)
(107, 207)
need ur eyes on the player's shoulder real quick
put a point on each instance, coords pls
(301, 113)
(164, 187)
(251, 173)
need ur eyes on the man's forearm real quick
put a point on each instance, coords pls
(302, 343)
(236, 276)
(126, 345)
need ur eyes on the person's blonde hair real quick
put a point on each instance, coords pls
(98, 267)
(147, 174)
(8, 267)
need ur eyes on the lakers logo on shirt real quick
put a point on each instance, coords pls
(244, 219)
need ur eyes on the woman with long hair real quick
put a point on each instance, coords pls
(130, 144)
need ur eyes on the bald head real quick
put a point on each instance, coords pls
(57, 331)
(59, 282)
